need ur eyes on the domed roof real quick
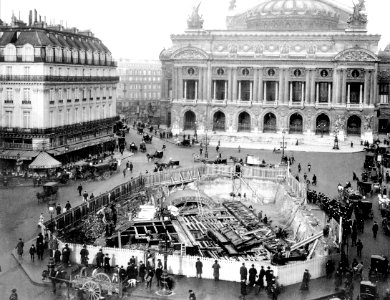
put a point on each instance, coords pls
(292, 15)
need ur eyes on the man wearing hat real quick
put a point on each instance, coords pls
(65, 254)
(13, 296)
(305, 280)
(84, 255)
(99, 258)
(192, 295)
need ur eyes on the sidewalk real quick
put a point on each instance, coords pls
(204, 288)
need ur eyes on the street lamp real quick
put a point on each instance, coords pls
(206, 153)
(195, 133)
(283, 146)
(336, 141)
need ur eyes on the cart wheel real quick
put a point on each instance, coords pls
(102, 277)
(92, 289)
(84, 272)
(106, 175)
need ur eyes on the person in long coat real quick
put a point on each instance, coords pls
(243, 272)
(243, 289)
(65, 254)
(40, 250)
(252, 276)
(19, 248)
(216, 268)
(305, 280)
(142, 271)
(260, 280)
(199, 268)
(99, 258)
(32, 252)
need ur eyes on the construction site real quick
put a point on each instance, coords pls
(230, 213)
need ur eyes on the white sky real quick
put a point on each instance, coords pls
(140, 29)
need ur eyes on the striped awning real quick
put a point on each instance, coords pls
(44, 161)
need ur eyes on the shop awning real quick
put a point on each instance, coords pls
(23, 154)
(44, 161)
(81, 145)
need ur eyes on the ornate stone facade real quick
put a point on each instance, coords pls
(255, 82)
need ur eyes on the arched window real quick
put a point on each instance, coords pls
(58, 54)
(82, 56)
(28, 53)
(10, 53)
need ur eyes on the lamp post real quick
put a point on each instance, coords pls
(336, 141)
(283, 146)
(195, 133)
(206, 153)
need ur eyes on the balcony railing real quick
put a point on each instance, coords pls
(51, 102)
(60, 101)
(57, 59)
(8, 101)
(84, 99)
(91, 98)
(69, 100)
(269, 128)
(26, 102)
(5, 145)
(103, 123)
(40, 78)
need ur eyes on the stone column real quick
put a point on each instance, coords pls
(185, 90)
(303, 93)
(214, 89)
(208, 81)
(180, 85)
(200, 93)
(226, 90)
(230, 80)
(239, 91)
(196, 90)
(374, 86)
(260, 86)
(367, 75)
(251, 91)
(291, 93)
(307, 92)
(329, 93)
(317, 93)
(335, 87)
(255, 85)
(234, 85)
(312, 86)
(277, 91)
(286, 97)
(348, 93)
(282, 79)
(205, 84)
(361, 94)
(343, 87)
(174, 83)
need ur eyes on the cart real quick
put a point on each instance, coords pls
(50, 192)
(368, 291)
(96, 284)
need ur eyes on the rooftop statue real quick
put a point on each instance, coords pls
(232, 4)
(195, 21)
(358, 17)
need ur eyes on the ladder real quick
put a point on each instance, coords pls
(254, 194)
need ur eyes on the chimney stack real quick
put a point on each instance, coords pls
(40, 19)
(35, 16)
(30, 18)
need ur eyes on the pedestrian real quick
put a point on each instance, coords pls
(84, 255)
(41, 220)
(243, 272)
(124, 172)
(216, 268)
(309, 167)
(243, 289)
(142, 271)
(91, 196)
(80, 189)
(14, 295)
(199, 268)
(40, 250)
(375, 228)
(159, 272)
(85, 196)
(164, 147)
(359, 248)
(252, 276)
(32, 252)
(268, 277)
(149, 278)
(58, 209)
(305, 281)
(57, 256)
(107, 266)
(239, 148)
(200, 151)
(260, 280)
(351, 144)
(260, 215)
(68, 206)
(299, 167)
(217, 148)
(131, 167)
(274, 290)
(19, 247)
(192, 295)
(66, 255)
(99, 258)
(122, 274)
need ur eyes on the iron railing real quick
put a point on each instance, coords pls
(51, 78)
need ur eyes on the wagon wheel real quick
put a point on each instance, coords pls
(102, 277)
(84, 272)
(106, 175)
(92, 289)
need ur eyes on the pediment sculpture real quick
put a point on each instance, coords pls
(355, 55)
(190, 54)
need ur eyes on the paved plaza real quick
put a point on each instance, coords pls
(20, 213)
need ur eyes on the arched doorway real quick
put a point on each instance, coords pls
(189, 120)
(323, 125)
(354, 125)
(244, 122)
(296, 123)
(219, 121)
(269, 123)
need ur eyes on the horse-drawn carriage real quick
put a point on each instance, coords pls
(99, 171)
(142, 147)
(368, 291)
(183, 143)
(140, 130)
(155, 155)
(133, 148)
(379, 268)
(49, 192)
(171, 164)
(147, 138)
